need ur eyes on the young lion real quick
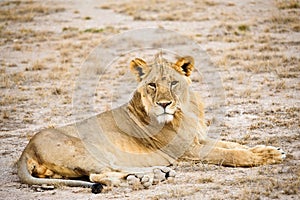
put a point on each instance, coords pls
(162, 123)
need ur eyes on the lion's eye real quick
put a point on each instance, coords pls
(152, 85)
(173, 83)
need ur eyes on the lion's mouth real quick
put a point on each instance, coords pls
(165, 117)
(165, 113)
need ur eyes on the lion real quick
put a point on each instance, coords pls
(162, 123)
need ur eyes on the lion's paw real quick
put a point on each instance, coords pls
(138, 180)
(269, 154)
(132, 179)
(162, 174)
(145, 180)
(283, 154)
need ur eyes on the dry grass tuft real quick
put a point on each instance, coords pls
(36, 66)
(11, 80)
(70, 29)
(205, 180)
(93, 30)
(243, 27)
(87, 18)
(288, 4)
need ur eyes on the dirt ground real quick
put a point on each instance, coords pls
(255, 45)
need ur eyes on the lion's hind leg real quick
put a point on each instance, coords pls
(259, 155)
(40, 171)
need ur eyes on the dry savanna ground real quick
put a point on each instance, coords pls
(255, 45)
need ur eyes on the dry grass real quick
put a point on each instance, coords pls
(167, 11)
(36, 66)
(24, 35)
(177, 193)
(250, 93)
(285, 20)
(259, 65)
(288, 4)
(280, 117)
(12, 80)
(205, 180)
(24, 11)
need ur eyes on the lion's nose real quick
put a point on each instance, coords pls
(164, 104)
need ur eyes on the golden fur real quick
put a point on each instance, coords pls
(162, 123)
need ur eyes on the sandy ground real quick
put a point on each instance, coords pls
(254, 44)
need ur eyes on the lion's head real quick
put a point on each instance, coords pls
(163, 88)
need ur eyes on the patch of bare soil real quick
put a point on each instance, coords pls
(255, 45)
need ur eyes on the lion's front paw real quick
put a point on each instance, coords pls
(162, 174)
(138, 180)
(268, 154)
(145, 180)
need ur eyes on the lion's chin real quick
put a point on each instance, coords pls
(164, 118)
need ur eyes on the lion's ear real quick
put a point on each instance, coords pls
(185, 65)
(139, 68)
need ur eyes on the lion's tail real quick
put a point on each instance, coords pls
(26, 177)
